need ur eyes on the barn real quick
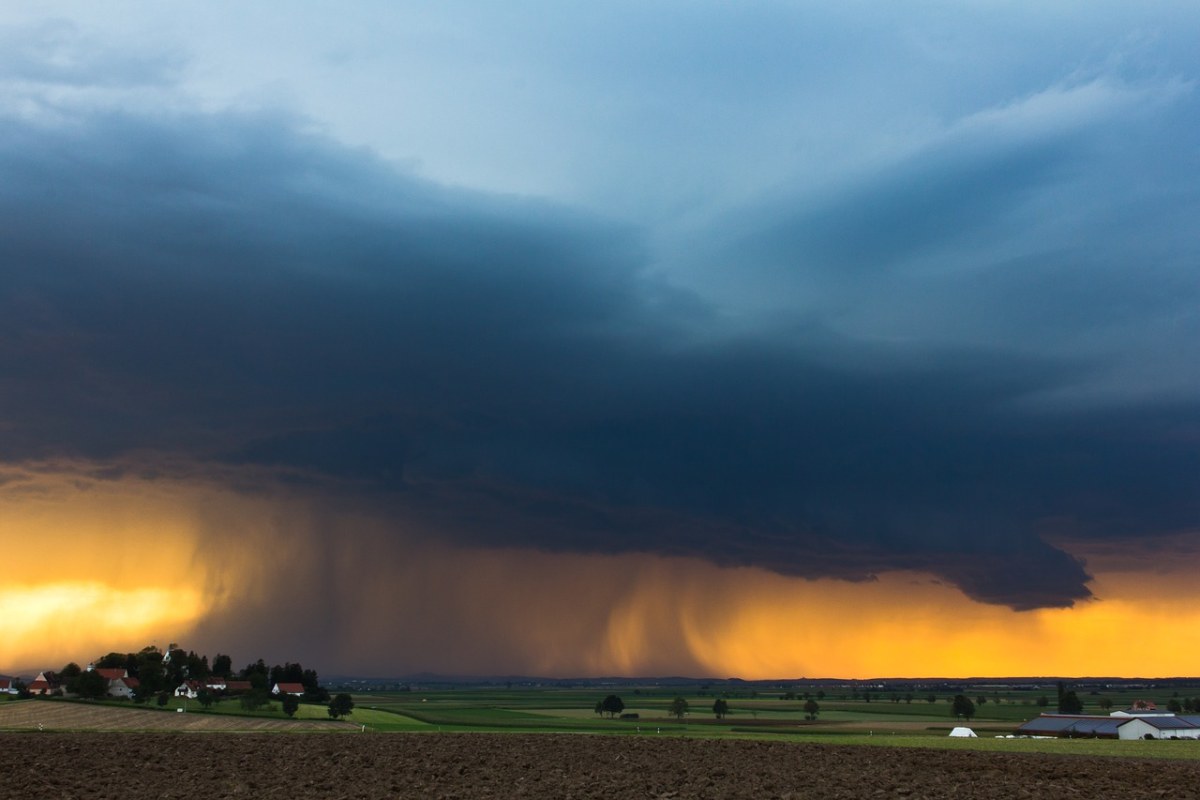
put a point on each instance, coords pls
(1082, 726)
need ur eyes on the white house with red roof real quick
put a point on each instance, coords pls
(8, 686)
(120, 682)
(296, 689)
(46, 682)
(123, 687)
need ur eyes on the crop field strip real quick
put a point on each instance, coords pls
(32, 715)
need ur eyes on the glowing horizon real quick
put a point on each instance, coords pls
(237, 566)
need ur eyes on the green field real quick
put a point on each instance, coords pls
(845, 717)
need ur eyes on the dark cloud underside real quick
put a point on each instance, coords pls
(226, 290)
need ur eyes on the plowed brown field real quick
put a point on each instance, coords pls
(80, 717)
(132, 766)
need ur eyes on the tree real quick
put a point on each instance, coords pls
(205, 698)
(290, 704)
(142, 693)
(981, 700)
(197, 666)
(257, 673)
(69, 675)
(148, 668)
(599, 708)
(1174, 706)
(678, 708)
(114, 660)
(341, 706)
(316, 694)
(1105, 704)
(163, 698)
(222, 665)
(963, 707)
(91, 685)
(1069, 703)
(309, 678)
(174, 669)
(1043, 701)
(254, 699)
(613, 705)
(811, 710)
(720, 708)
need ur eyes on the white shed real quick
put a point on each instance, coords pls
(963, 733)
(1158, 727)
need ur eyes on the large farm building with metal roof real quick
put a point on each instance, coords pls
(1132, 724)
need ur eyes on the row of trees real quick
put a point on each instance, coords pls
(678, 707)
(1068, 703)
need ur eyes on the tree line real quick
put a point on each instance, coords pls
(679, 708)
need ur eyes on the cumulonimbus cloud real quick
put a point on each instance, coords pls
(229, 291)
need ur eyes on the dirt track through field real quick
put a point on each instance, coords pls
(57, 716)
(137, 766)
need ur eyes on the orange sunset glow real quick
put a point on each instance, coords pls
(151, 561)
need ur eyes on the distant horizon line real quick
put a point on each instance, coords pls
(974, 679)
(452, 678)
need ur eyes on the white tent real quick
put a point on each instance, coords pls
(963, 733)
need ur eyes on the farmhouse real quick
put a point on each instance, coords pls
(1120, 725)
(123, 687)
(288, 688)
(190, 689)
(7, 686)
(46, 682)
(120, 682)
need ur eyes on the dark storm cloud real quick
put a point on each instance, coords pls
(228, 290)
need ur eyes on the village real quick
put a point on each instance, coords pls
(173, 672)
